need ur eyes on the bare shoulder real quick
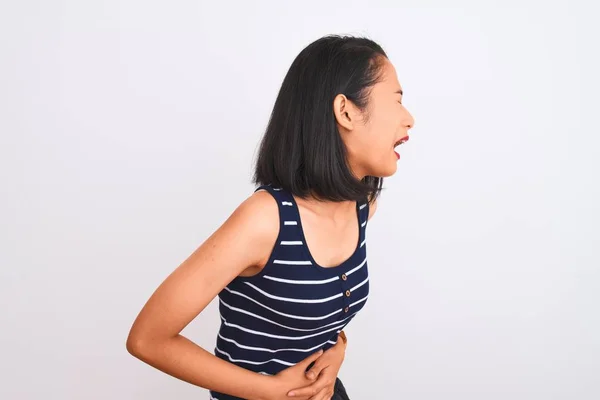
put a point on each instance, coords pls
(258, 217)
(255, 222)
(259, 210)
(243, 241)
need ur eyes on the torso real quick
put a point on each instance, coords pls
(294, 305)
(331, 242)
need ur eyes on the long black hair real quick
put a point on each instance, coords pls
(302, 150)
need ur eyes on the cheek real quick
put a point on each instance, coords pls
(382, 130)
(377, 149)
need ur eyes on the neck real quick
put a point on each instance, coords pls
(327, 208)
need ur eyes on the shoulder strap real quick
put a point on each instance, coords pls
(289, 216)
(363, 211)
(290, 248)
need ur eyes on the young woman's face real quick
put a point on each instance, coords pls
(371, 137)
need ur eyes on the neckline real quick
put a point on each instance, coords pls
(307, 249)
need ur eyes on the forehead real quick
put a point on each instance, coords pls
(389, 77)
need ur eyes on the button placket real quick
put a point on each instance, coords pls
(346, 293)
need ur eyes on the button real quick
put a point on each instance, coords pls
(344, 277)
(346, 309)
(347, 293)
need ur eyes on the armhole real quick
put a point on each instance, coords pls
(269, 263)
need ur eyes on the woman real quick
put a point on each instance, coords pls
(289, 265)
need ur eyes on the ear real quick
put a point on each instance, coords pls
(345, 112)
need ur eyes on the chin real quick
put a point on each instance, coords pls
(385, 171)
(388, 174)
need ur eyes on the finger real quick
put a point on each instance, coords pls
(316, 369)
(307, 391)
(313, 389)
(313, 357)
(341, 341)
(324, 394)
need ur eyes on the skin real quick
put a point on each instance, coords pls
(370, 136)
(242, 245)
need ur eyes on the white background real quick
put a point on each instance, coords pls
(127, 135)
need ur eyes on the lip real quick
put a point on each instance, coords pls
(402, 140)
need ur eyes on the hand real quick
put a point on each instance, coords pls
(326, 368)
(294, 376)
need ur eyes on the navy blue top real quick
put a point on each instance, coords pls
(294, 306)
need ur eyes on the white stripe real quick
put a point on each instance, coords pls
(277, 189)
(290, 222)
(301, 317)
(353, 270)
(363, 206)
(335, 278)
(363, 243)
(310, 282)
(286, 203)
(363, 224)
(255, 362)
(291, 242)
(241, 346)
(289, 262)
(291, 300)
(360, 284)
(229, 324)
(278, 324)
(359, 301)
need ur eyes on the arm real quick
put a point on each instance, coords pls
(244, 241)
(325, 370)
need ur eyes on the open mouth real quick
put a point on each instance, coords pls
(398, 143)
(402, 140)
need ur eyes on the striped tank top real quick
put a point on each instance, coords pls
(293, 307)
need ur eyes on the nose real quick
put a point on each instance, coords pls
(410, 121)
